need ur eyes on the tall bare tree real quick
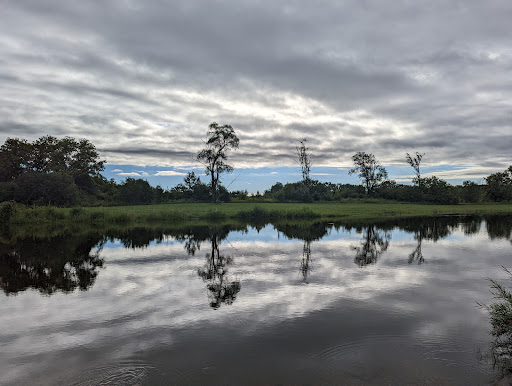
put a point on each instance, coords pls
(304, 160)
(220, 139)
(415, 164)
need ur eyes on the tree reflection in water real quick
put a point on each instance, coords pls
(308, 232)
(50, 265)
(499, 227)
(306, 259)
(434, 229)
(374, 244)
(417, 254)
(214, 274)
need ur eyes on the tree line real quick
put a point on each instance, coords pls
(67, 172)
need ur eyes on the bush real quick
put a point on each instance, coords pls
(56, 189)
(7, 209)
(76, 212)
(136, 191)
(438, 191)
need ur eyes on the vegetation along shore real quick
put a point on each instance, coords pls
(16, 214)
(54, 180)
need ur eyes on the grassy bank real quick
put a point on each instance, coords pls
(194, 212)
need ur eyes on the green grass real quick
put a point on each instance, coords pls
(193, 212)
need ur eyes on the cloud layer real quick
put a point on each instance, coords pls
(143, 81)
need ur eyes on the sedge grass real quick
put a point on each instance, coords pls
(192, 212)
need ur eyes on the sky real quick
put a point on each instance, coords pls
(143, 80)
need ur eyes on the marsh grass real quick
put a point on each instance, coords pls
(215, 215)
(193, 212)
(500, 313)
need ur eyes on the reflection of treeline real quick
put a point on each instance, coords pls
(66, 262)
(61, 263)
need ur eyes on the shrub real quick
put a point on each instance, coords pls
(7, 209)
(215, 215)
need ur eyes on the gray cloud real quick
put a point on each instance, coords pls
(143, 81)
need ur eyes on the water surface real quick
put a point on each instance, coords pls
(285, 303)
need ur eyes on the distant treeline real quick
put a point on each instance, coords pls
(67, 172)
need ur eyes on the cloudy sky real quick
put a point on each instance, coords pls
(143, 80)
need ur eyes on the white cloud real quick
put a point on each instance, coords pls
(168, 173)
(189, 167)
(117, 171)
(129, 174)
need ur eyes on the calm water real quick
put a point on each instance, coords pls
(293, 303)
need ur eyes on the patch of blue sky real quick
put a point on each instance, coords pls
(260, 179)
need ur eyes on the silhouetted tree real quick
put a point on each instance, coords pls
(438, 191)
(78, 157)
(214, 155)
(415, 164)
(499, 185)
(368, 170)
(471, 191)
(46, 166)
(136, 191)
(15, 158)
(304, 160)
(192, 188)
(56, 189)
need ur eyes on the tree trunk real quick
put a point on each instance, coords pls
(214, 188)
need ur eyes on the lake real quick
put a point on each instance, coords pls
(380, 303)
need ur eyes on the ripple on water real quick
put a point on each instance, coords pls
(122, 373)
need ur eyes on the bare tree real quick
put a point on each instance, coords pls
(415, 164)
(213, 156)
(304, 160)
(368, 170)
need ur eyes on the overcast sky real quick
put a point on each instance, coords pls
(143, 80)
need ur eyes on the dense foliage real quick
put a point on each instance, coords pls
(52, 171)
(67, 172)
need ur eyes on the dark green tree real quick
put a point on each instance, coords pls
(15, 158)
(368, 170)
(56, 189)
(192, 188)
(220, 139)
(499, 185)
(471, 192)
(438, 191)
(78, 157)
(136, 191)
